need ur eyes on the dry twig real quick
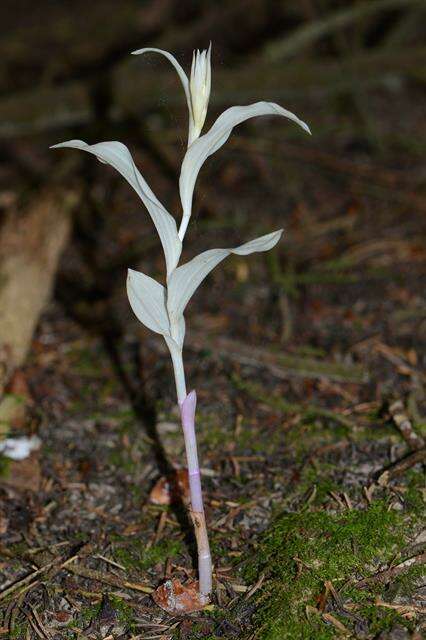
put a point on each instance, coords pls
(400, 466)
(385, 576)
(106, 578)
(404, 426)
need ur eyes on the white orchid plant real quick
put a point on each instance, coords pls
(161, 308)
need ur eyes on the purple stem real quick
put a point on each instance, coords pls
(187, 408)
(188, 424)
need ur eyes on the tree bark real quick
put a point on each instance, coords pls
(31, 243)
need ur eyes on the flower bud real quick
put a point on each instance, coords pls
(199, 88)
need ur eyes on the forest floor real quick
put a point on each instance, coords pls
(313, 481)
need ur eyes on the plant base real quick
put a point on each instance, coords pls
(177, 598)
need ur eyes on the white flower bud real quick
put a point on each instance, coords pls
(199, 88)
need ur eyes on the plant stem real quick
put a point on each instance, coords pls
(178, 370)
(197, 508)
(183, 227)
(187, 405)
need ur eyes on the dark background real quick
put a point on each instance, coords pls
(297, 355)
(353, 70)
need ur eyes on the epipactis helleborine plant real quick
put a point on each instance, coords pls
(160, 308)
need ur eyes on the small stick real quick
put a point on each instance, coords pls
(39, 624)
(111, 562)
(30, 578)
(112, 580)
(401, 608)
(401, 465)
(384, 576)
(404, 426)
(255, 587)
(160, 528)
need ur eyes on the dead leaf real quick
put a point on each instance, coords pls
(164, 492)
(4, 524)
(18, 385)
(178, 599)
(24, 475)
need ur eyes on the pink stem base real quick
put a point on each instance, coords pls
(187, 408)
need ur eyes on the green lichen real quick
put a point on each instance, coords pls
(303, 550)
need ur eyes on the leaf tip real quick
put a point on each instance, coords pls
(276, 237)
(306, 127)
(131, 274)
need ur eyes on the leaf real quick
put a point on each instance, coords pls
(147, 298)
(181, 73)
(118, 156)
(184, 280)
(210, 142)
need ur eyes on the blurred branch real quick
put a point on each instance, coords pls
(310, 33)
(410, 24)
(70, 104)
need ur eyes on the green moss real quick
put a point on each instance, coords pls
(125, 613)
(213, 431)
(89, 613)
(19, 631)
(382, 619)
(121, 459)
(136, 556)
(303, 550)
(4, 466)
(407, 583)
(87, 361)
(414, 497)
(309, 412)
(315, 485)
(316, 426)
(125, 424)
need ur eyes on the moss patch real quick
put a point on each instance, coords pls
(301, 551)
(136, 556)
(4, 466)
(19, 631)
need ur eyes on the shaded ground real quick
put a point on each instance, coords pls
(297, 358)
